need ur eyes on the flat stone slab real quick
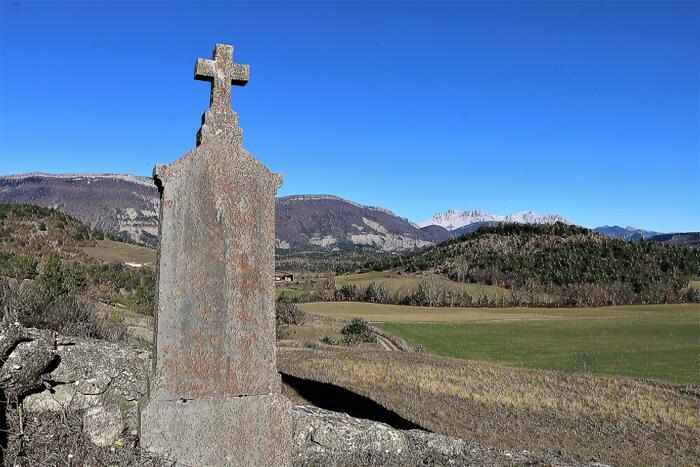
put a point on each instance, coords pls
(232, 431)
(215, 316)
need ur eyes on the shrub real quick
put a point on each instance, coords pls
(72, 316)
(17, 266)
(288, 313)
(328, 341)
(18, 299)
(357, 330)
(348, 293)
(142, 300)
(57, 279)
(376, 293)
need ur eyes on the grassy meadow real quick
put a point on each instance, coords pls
(640, 341)
(120, 252)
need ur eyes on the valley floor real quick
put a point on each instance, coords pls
(640, 341)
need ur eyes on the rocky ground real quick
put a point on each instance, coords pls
(74, 401)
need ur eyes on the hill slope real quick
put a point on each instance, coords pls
(625, 233)
(127, 206)
(686, 239)
(52, 249)
(332, 223)
(123, 205)
(575, 264)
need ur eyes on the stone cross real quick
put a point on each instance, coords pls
(214, 395)
(222, 73)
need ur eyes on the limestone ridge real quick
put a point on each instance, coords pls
(127, 206)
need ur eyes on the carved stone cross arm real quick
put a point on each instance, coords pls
(206, 70)
(222, 73)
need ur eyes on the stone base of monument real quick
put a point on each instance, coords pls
(245, 431)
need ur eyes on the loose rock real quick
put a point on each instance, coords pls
(103, 424)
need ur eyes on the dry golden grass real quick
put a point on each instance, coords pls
(619, 421)
(119, 252)
(378, 312)
(312, 332)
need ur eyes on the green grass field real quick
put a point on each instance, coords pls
(396, 283)
(643, 341)
(657, 342)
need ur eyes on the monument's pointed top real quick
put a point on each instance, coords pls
(222, 73)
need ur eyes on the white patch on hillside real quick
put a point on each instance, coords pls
(388, 242)
(324, 242)
(374, 226)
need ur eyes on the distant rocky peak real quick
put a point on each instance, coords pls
(454, 219)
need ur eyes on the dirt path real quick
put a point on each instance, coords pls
(386, 344)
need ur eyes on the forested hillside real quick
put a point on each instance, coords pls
(47, 247)
(574, 264)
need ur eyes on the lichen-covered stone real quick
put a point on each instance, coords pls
(99, 367)
(221, 72)
(26, 355)
(90, 373)
(103, 424)
(215, 323)
(214, 397)
(324, 439)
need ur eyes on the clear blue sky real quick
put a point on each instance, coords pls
(585, 109)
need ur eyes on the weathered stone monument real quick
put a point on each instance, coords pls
(214, 395)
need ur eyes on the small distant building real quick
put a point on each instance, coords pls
(284, 277)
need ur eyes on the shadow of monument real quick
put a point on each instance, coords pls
(330, 397)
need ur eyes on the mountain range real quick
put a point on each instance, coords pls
(128, 205)
(455, 219)
(626, 233)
